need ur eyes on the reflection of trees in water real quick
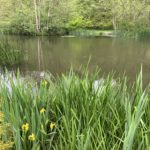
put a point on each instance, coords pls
(41, 65)
(54, 54)
(58, 54)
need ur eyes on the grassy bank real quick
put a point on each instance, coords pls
(75, 113)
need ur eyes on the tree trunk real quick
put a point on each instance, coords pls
(36, 16)
(114, 24)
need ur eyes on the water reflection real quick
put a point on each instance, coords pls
(57, 54)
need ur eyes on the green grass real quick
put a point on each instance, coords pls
(9, 55)
(110, 117)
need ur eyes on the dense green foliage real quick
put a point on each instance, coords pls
(59, 17)
(5, 144)
(71, 113)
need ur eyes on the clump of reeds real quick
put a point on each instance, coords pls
(9, 55)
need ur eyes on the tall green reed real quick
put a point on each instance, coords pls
(9, 55)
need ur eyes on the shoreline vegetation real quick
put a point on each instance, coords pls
(73, 112)
(73, 33)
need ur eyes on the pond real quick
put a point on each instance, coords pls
(58, 54)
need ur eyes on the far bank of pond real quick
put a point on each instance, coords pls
(80, 32)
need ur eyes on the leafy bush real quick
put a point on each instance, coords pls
(79, 22)
(22, 23)
(57, 31)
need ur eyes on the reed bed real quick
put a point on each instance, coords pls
(69, 113)
(9, 55)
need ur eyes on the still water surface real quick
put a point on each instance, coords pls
(58, 54)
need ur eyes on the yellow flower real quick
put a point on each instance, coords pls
(52, 125)
(42, 110)
(25, 127)
(44, 83)
(31, 137)
(38, 97)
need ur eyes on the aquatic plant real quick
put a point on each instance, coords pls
(69, 113)
(9, 55)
